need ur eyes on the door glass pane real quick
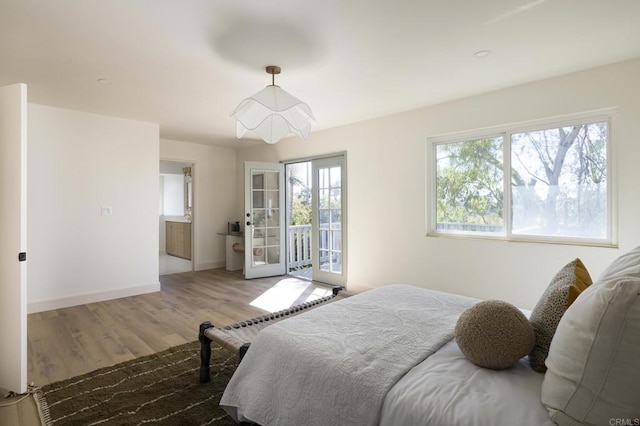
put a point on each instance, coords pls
(336, 240)
(273, 218)
(323, 198)
(335, 219)
(258, 242)
(324, 260)
(323, 242)
(330, 218)
(336, 263)
(273, 255)
(259, 217)
(273, 237)
(323, 178)
(257, 180)
(259, 256)
(258, 199)
(323, 216)
(272, 199)
(258, 237)
(265, 218)
(336, 199)
(272, 180)
(336, 177)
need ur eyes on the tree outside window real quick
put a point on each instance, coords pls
(557, 183)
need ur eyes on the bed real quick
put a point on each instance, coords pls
(388, 356)
(382, 357)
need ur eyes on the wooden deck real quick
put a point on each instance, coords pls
(305, 274)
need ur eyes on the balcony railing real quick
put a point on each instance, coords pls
(299, 246)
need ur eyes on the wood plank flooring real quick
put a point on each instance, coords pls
(67, 342)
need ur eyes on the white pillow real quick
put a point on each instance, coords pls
(593, 375)
(626, 266)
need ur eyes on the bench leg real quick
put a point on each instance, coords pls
(205, 352)
(243, 350)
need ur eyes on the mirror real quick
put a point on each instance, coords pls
(188, 191)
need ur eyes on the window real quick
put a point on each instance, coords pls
(549, 182)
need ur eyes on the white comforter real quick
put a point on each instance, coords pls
(334, 365)
(446, 389)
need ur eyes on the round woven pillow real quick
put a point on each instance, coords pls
(494, 334)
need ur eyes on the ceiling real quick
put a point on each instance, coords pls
(187, 64)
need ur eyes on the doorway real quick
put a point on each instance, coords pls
(176, 217)
(316, 219)
(296, 216)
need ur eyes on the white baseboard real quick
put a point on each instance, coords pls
(83, 299)
(210, 265)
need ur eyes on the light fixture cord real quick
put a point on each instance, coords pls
(273, 78)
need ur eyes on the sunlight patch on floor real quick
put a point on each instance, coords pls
(318, 293)
(286, 293)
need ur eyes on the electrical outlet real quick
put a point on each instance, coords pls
(106, 211)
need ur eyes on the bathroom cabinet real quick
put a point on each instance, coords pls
(179, 239)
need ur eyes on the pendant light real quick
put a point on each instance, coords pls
(273, 113)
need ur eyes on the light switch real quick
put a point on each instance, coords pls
(106, 211)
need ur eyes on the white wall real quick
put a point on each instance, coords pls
(78, 163)
(387, 185)
(214, 200)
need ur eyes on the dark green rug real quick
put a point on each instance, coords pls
(159, 389)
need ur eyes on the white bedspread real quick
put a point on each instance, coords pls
(446, 389)
(335, 364)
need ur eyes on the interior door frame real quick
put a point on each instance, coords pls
(194, 201)
(13, 244)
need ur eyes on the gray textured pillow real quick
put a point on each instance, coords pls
(564, 288)
(494, 334)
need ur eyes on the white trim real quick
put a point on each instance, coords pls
(524, 126)
(612, 181)
(83, 299)
(210, 265)
(316, 157)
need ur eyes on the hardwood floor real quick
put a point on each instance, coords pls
(67, 342)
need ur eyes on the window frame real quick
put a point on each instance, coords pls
(506, 131)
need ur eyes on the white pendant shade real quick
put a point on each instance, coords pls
(273, 113)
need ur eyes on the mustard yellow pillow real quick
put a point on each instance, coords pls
(563, 290)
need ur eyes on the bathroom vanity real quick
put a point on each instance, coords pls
(179, 239)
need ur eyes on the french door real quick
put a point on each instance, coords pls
(264, 220)
(13, 244)
(265, 242)
(328, 225)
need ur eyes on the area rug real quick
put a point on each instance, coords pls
(159, 389)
